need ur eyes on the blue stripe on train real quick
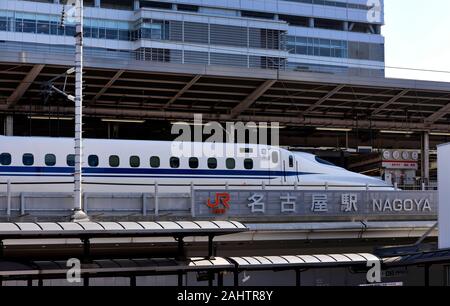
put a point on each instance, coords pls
(4, 170)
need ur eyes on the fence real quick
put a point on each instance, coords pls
(221, 201)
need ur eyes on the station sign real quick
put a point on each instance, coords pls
(246, 203)
(400, 159)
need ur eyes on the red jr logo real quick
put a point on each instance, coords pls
(221, 199)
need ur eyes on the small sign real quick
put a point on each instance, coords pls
(221, 203)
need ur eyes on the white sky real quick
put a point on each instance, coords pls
(417, 35)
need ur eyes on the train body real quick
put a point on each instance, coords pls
(40, 164)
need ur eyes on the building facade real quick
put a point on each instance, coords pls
(338, 37)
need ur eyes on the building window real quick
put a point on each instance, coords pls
(28, 159)
(114, 161)
(50, 160)
(248, 163)
(70, 160)
(93, 161)
(212, 163)
(5, 159)
(135, 161)
(193, 162)
(155, 162)
(230, 163)
(174, 162)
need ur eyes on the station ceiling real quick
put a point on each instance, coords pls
(173, 92)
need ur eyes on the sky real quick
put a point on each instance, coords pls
(417, 34)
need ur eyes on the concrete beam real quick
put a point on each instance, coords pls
(108, 85)
(285, 120)
(183, 90)
(9, 125)
(251, 98)
(391, 101)
(438, 115)
(324, 98)
(24, 85)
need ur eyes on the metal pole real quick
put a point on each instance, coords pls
(78, 203)
(8, 194)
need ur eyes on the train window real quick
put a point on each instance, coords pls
(291, 161)
(324, 162)
(135, 161)
(212, 163)
(5, 159)
(114, 161)
(28, 159)
(70, 160)
(155, 162)
(93, 161)
(248, 163)
(50, 160)
(193, 162)
(275, 157)
(230, 163)
(174, 162)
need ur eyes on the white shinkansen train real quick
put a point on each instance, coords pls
(131, 166)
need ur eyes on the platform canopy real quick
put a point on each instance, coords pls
(152, 90)
(118, 229)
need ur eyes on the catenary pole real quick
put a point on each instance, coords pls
(78, 174)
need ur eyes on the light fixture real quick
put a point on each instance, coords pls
(123, 120)
(396, 132)
(334, 129)
(49, 118)
(439, 134)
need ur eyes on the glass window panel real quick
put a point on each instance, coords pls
(155, 162)
(5, 159)
(135, 161)
(248, 163)
(93, 161)
(212, 163)
(70, 160)
(174, 162)
(50, 160)
(114, 161)
(28, 159)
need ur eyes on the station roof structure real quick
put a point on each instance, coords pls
(151, 90)
(118, 229)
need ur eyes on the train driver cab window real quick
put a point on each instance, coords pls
(275, 157)
(50, 160)
(5, 159)
(28, 159)
(230, 163)
(155, 162)
(193, 162)
(93, 161)
(291, 161)
(248, 163)
(212, 163)
(114, 161)
(174, 162)
(135, 161)
(70, 160)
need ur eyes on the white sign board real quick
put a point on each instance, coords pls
(444, 195)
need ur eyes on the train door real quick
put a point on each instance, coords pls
(297, 171)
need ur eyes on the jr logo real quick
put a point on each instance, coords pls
(221, 203)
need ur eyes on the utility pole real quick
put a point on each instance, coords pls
(78, 215)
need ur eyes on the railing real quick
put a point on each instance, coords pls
(162, 199)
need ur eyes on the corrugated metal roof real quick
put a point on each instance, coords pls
(110, 229)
